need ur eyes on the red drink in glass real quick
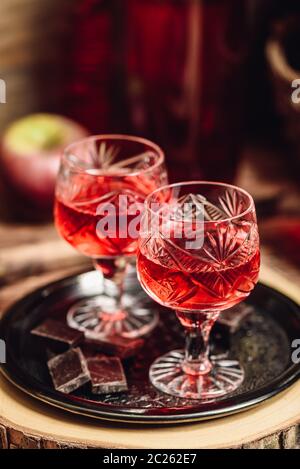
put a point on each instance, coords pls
(79, 220)
(101, 187)
(198, 254)
(179, 281)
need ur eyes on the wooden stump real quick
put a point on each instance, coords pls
(27, 423)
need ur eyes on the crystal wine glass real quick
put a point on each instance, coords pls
(101, 187)
(199, 255)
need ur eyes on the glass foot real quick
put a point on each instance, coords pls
(166, 374)
(100, 316)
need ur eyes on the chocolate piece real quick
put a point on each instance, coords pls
(58, 335)
(69, 370)
(107, 375)
(233, 317)
(91, 353)
(114, 345)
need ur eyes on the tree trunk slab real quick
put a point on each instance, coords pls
(28, 423)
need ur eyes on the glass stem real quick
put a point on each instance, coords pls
(196, 360)
(114, 270)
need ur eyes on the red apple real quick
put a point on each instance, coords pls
(30, 155)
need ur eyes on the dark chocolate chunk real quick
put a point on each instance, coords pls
(58, 334)
(107, 375)
(118, 346)
(69, 370)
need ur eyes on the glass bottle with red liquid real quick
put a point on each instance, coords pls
(172, 71)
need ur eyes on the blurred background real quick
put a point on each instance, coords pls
(208, 80)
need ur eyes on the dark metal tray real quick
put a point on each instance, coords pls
(262, 343)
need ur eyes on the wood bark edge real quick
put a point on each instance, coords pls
(12, 437)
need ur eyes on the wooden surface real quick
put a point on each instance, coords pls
(28, 251)
(25, 422)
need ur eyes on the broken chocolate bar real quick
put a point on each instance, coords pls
(58, 334)
(107, 375)
(114, 345)
(69, 370)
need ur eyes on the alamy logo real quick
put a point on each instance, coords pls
(296, 92)
(296, 352)
(2, 92)
(2, 351)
